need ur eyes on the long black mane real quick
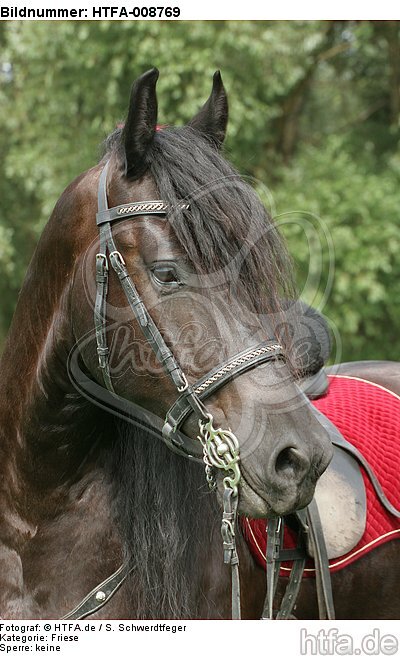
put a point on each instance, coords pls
(167, 518)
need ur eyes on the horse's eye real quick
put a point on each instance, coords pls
(166, 274)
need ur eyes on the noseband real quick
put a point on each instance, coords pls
(217, 448)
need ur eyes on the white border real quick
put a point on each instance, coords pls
(236, 9)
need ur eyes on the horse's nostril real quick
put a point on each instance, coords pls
(291, 462)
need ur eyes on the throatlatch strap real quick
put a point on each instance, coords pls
(129, 411)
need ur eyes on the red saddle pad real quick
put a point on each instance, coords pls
(368, 416)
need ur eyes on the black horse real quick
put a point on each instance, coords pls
(83, 490)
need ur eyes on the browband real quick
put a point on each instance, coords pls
(108, 215)
(155, 207)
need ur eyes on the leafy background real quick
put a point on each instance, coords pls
(314, 109)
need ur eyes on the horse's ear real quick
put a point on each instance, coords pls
(212, 119)
(141, 123)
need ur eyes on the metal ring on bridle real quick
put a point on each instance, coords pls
(221, 450)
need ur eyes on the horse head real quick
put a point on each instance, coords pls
(191, 274)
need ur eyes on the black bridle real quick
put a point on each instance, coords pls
(190, 397)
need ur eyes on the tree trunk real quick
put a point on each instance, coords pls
(287, 125)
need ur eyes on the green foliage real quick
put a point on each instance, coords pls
(354, 220)
(314, 115)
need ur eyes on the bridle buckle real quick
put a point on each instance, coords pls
(185, 385)
(103, 257)
(117, 255)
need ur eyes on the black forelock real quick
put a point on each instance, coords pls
(226, 216)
